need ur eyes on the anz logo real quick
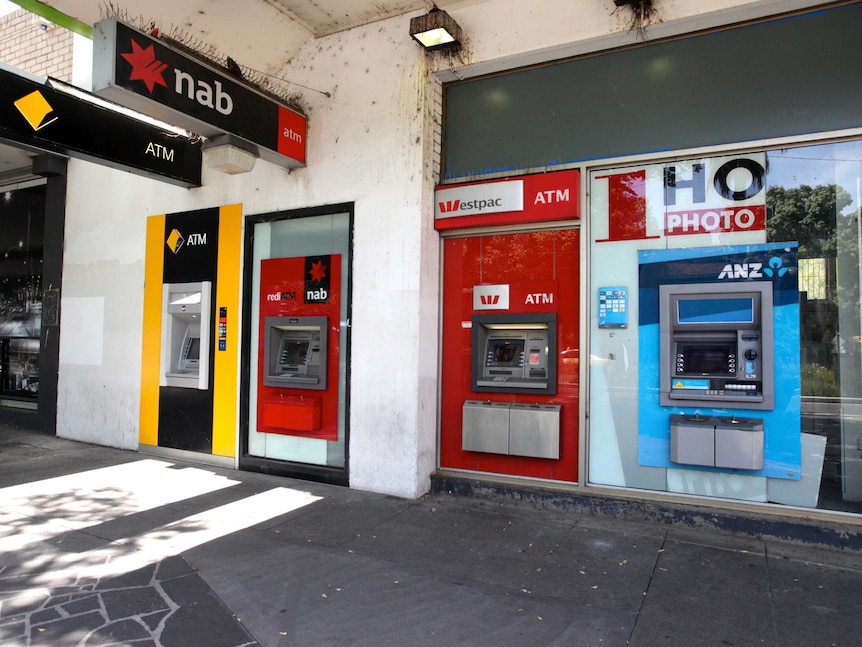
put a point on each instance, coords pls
(774, 269)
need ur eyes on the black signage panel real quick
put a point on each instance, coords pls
(191, 246)
(142, 72)
(36, 116)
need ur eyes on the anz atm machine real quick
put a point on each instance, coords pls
(513, 353)
(716, 346)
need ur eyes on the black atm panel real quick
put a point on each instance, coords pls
(514, 353)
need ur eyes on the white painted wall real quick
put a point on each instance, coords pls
(371, 142)
(367, 144)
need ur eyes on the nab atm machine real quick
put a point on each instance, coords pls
(293, 353)
(716, 345)
(298, 347)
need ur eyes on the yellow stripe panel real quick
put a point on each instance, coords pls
(226, 363)
(152, 330)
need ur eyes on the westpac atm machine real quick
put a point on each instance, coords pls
(513, 353)
(716, 346)
(186, 335)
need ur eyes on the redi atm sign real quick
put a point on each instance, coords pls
(143, 73)
(530, 198)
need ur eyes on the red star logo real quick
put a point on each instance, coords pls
(318, 271)
(145, 67)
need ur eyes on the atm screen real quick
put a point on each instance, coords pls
(698, 311)
(704, 359)
(194, 349)
(294, 351)
(505, 352)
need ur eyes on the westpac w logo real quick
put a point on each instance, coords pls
(449, 206)
(491, 297)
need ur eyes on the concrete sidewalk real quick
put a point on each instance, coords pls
(107, 547)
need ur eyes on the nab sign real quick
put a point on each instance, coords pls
(139, 71)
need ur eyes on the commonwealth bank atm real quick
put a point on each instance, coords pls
(716, 345)
(186, 335)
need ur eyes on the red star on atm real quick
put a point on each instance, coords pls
(145, 66)
(317, 271)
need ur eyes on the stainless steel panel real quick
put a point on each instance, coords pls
(739, 443)
(534, 430)
(485, 427)
(692, 440)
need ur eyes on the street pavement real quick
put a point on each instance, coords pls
(103, 547)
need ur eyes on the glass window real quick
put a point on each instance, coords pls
(22, 212)
(710, 229)
(300, 282)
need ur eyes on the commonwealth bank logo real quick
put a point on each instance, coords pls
(35, 108)
(175, 241)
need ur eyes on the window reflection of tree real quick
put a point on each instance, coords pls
(824, 220)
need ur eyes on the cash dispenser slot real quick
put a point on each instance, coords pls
(717, 441)
(186, 334)
(516, 429)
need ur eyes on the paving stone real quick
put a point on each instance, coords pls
(132, 602)
(11, 631)
(187, 590)
(46, 615)
(152, 620)
(23, 602)
(173, 567)
(81, 605)
(69, 631)
(119, 632)
(205, 624)
(140, 577)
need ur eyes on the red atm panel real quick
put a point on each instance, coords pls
(510, 274)
(298, 346)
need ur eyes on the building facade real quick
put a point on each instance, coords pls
(595, 254)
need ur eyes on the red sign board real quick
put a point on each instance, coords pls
(529, 198)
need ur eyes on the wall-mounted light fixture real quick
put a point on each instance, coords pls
(229, 154)
(436, 30)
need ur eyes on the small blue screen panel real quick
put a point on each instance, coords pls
(695, 311)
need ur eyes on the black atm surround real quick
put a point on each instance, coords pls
(292, 469)
(186, 415)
